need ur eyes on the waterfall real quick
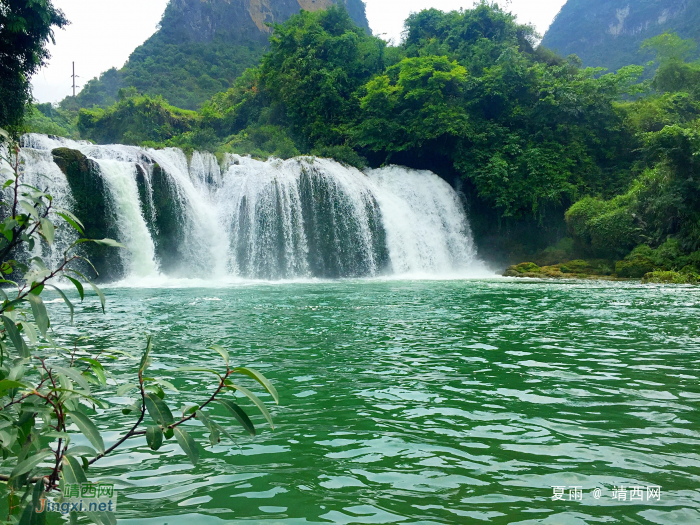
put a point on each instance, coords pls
(124, 199)
(300, 218)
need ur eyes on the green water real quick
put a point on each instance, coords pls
(421, 402)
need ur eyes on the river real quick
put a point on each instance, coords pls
(408, 401)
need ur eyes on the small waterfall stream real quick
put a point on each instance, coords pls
(140, 260)
(299, 218)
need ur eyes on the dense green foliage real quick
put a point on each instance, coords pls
(26, 27)
(661, 208)
(136, 120)
(184, 74)
(610, 33)
(50, 120)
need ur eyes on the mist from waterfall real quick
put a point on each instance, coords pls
(300, 218)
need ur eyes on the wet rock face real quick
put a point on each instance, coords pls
(240, 20)
(91, 207)
(168, 221)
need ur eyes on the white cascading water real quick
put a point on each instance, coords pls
(426, 227)
(300, 218)
(120, 177)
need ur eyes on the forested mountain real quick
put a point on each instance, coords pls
(609, 33)
(200, 48)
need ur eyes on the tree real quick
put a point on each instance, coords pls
(415, 102)
(316, 63)
(44, 388)
(26, 27)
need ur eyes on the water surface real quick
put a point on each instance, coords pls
(419, 401)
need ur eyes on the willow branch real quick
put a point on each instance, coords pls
(131, 432)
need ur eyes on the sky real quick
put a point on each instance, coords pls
(103, 33)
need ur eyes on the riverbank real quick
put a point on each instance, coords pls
(597, 270)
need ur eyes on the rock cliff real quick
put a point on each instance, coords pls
(609, 33)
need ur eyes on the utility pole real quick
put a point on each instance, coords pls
(74, 77)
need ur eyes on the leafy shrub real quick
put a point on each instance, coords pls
(666, 277)
(135, 120)
(263, 142)
(637, 264)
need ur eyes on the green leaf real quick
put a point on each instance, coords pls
(37, 493)
(197, 369)
(47, 228)
(99, 293)
(97, 368)
(89, 429)
(72, 472)
(31, 462)
(56, 435)
(146, 359)
(82, 451)
(214, 431)
(168, 433)
(187, 444)
(158, 410)
(222, 351)
(72, 220)
(136, 407)
(78, 285)
(224, 432)
(239, 414)
(31, 210)
(7, 384)
(168, 385)
(154, 437)
(108, 242)
(255, 400)
(15, 337)
(123, 389)
(31, 333)
(40, 315)
(254, 374)
(65, 300)
(28, 515)
(73, 374)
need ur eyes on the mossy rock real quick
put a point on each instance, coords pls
(522, 270)
(576, 269)
(635, 267)
(168, 231)
(663, 277)
(92, 208)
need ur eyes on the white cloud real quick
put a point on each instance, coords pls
(103, 33)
